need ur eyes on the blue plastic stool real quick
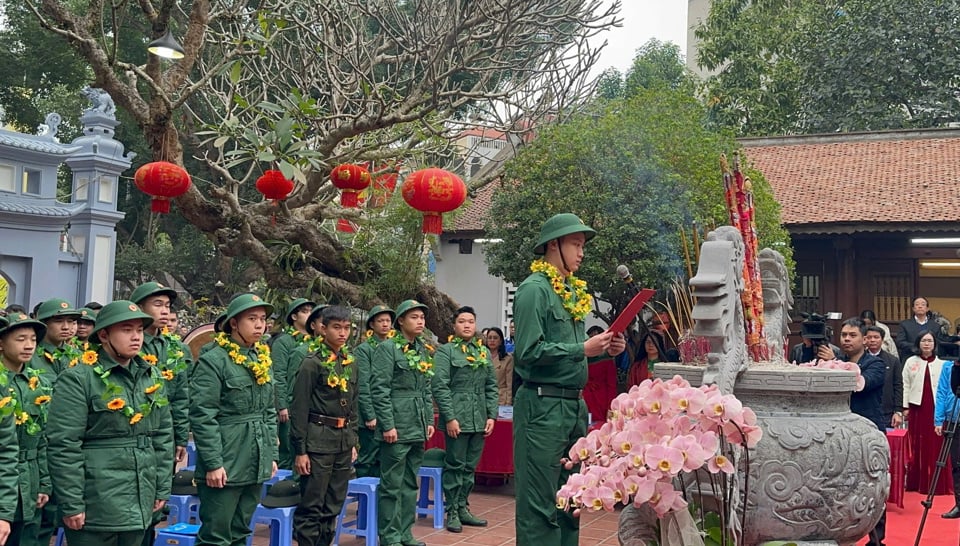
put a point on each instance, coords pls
(424, 501)
(191, 455)
(183, 508)
(362, 491)
(280, 521)
(280, 475)
(180, 534)
(60, 536)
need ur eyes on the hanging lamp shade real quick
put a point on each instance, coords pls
(434, 191)
(166, 46)
(162, 181)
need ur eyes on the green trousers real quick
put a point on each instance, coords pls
(225, 514)
(321, 497)
(459, 464)
(96, 538)
(368, 457)
(397, 495)
(40, 529)
(544, 430)
(286, 452)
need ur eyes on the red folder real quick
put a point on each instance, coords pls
(631, 310)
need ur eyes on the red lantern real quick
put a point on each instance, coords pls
(162, 181)
(433, 192)
(351, 179)
(383, 188)
(274, 186)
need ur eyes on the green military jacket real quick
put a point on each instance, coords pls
(364, 357)
(53, 360)
(287, 351)
(401, 393)
(233, 419)
(32, 390)
(325, 385)
(549, 344)
(464, 385)
(102, 460)
(8, 467)
(173, 361)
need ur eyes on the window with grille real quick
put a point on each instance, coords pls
(807, 298)
(892, 297)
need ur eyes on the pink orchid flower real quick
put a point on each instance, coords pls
(666, 499)
(665, 459)
(720, 464)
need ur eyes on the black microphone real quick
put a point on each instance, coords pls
(624, 273)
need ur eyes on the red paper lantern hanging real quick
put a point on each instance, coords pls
(274, 186)
(162, 181)
(350, 179)
(383, 188)
(434, 191)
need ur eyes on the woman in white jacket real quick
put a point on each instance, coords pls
(921, 374)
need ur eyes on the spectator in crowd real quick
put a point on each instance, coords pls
(502, 365)
(601, 387)
(651, 352)
(889, 344)
(921, 375)
(893, 381)
(909, 329)
(944, 420)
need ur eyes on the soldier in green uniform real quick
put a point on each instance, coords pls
(465, 388)
(110, 436)
(379, 329)
(55, 353)
(9, 531)
(29, 395)
(165, 351)
(234, 423)
(550, 356)
(282, 347)
(400, 389)
(86, 320)
(323, 429)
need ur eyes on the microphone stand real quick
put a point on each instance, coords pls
(949, 434)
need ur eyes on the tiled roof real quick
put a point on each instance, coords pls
(889, 179)
(35, 143)
(19, 206)
(474, 216)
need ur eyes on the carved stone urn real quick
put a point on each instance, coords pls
(819, 473)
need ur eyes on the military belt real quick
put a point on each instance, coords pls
(28, 455)
(238, 419)
(335, 422)
(141, 441)
(552, 391)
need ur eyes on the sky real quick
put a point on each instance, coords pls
(665, 20)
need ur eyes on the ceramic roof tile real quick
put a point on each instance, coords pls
(35, 143)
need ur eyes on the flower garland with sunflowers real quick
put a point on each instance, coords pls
(329, 359)
(176, 362)
(69, 351)
(572, 291)
(12, 405)
(373, 340)
(259, 367)
(415, 360)
(297, 335)
(475, 350)
(113, 392)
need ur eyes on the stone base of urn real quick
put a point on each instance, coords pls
(820, 474)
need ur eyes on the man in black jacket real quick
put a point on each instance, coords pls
(893, 380)
(868, 402)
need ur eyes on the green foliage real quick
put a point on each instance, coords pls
(808, 66)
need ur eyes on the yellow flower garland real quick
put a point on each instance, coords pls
(329, 361)
(260, 367)
(577, 301)
(11, 404)
(475, 350)
(157, 398)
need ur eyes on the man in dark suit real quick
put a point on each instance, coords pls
(893, 380)
(869, 401)
(911, 328)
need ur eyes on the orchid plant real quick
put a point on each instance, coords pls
(655, 435)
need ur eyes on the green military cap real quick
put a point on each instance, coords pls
(184, 483)
(240, 304)
(87, 314)
(119, 311)
(406, 306)
(56, 308)
(434, 457)
(21, 320)
(282, 494)
(315, 314)
(380, 309)
(294, 306)
(152, 288)
(558, 226)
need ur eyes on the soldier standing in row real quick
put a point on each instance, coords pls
(379, 329)
(282, 348)
(465, 389)
(323, 428)
(110, 436)
(400, 388)
(55, 354)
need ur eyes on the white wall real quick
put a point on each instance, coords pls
(464, 277)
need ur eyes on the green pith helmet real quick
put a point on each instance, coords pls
(240, 304)
(406, 306)
(558, 226)
(22, 320)
(151, 288)
(314, 315)
(380, 309)
(56, 308)
(294, 306)
(119, 311)
(87, 314)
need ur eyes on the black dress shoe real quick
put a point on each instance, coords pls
(414, 543)
(954, 513)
